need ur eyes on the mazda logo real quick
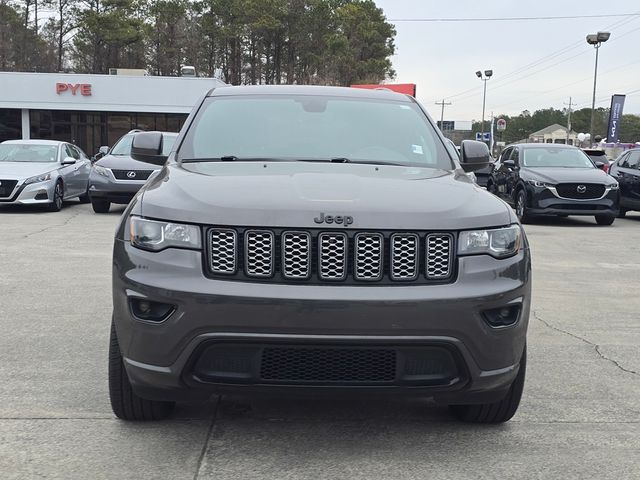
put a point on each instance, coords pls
(131, 174)
(581, 189)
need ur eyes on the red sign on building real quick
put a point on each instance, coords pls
(74, 88)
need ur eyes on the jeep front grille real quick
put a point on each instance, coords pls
(368, 256)
(259, 248)
(328, 257)
(438, 256)
(332, 256)
(296, 255)
(222, 248)
(404, 256)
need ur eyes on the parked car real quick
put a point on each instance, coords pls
(484, 174)
(42, 172)
(554, 179)
(116, 177)
(599, 158)
(316, 239)
(626, 170)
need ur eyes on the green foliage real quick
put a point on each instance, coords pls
(337, 42)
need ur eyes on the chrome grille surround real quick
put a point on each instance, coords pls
(438, 256)
(296, 255)
(259, 253)
(368, 256)
(223, 244)
(332, 255)
(405, 249)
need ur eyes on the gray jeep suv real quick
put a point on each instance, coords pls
(316, 239)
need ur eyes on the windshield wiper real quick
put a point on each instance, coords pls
(233, 158)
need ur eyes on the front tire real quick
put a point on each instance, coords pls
(521, 206)
(100, 206)
(497, 412)
(622, 213)
(58, 196)
(605, 219)
(124, 402)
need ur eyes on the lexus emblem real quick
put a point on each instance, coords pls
(581, 189)
(132, 174)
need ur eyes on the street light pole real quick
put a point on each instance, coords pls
(595, 39)
(485, 78)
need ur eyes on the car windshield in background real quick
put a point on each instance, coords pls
(303, 127)
(16, 152)
(123, 147)
(556, 157)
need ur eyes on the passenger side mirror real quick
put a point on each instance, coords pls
(600, 165)
(509, 164)
(147, 147)
(474, 155)
(103, 150)
(68, 161)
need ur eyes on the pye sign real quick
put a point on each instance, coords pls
(83, 88)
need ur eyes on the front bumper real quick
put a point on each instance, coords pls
(32, 194)
(159, 356)
(545, 201)
(112, 190)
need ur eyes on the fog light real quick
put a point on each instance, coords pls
(503, 316)
(144, 309)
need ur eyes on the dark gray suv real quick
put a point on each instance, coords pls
(316, 239)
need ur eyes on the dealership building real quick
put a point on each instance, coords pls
(94, 110)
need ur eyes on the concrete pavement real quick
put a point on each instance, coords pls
(579, 418)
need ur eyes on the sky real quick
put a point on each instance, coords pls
(536, 64)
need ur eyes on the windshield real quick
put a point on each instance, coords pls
(302, 127)
(20, 152)
(123, 146)
(556, 157)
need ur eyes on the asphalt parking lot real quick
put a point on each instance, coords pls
(580, 415)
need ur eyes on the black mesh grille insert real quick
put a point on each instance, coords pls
(6, 187)
(328, 365)
(580, 190)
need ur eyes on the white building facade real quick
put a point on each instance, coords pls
(94, 110)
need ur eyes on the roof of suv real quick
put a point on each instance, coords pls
(381, 93)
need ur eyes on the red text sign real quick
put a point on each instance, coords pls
(74, 88)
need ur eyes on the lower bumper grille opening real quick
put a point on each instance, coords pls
(326, 365)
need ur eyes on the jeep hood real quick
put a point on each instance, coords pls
(292, 194)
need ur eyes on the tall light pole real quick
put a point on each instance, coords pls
(485, 79)
(595, 39)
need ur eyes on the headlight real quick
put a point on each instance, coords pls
(38, 178)
(499, 243)
(539, 184)
(614, 186)
(154, 235)
(101, 170)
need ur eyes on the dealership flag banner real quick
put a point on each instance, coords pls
(615, 115)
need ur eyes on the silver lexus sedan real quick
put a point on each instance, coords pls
(43, 172)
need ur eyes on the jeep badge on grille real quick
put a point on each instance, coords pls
(345, 220)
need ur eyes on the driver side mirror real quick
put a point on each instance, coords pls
(147, 147)
(103, 150)
(68, 161)
(600, 165)
(509, 164)
(474, 155)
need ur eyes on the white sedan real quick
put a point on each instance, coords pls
(42, 172)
